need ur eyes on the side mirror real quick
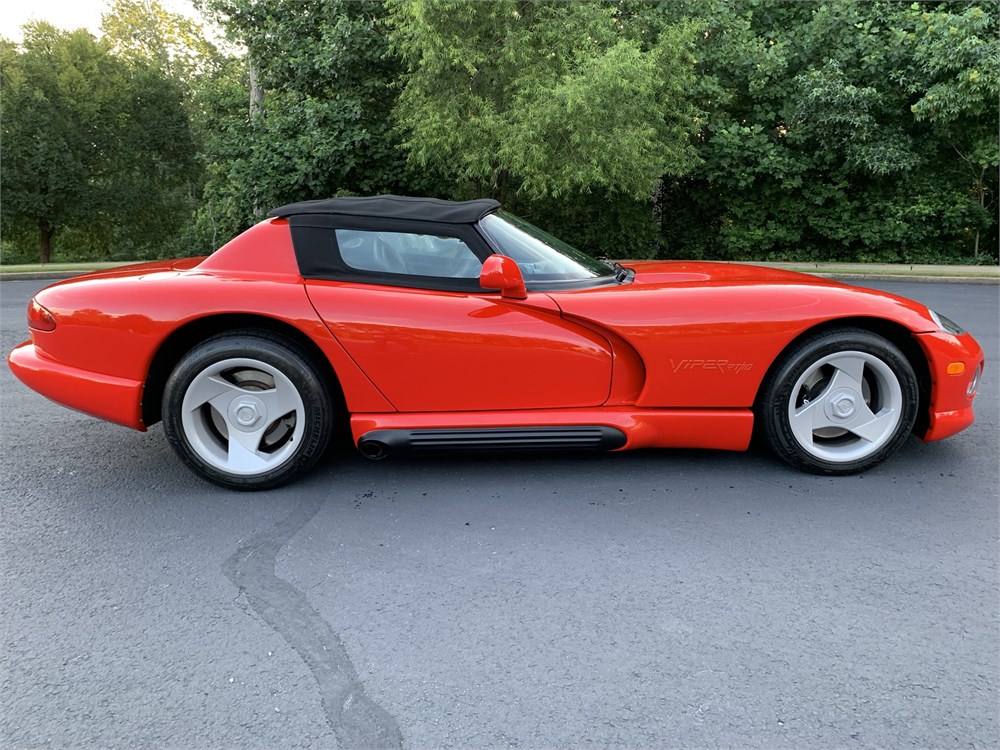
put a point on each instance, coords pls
(501, 272)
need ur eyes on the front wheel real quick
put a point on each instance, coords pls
(248, 410)
(839, 402)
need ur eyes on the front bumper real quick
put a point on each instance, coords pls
(103, 396)
(950, 408)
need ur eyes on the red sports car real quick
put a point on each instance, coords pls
(430, 325)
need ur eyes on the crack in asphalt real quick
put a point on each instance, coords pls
(356, 720)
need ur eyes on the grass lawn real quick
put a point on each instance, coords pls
(80, 267)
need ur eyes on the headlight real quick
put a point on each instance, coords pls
(945, 324)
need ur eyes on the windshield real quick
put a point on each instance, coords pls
(540, 256)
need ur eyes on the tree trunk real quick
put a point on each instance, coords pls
(981, 188)
(500, 191)
(45, 233)
(256, 112)
(256, 93)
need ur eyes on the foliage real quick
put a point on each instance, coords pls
(543, 103)
(323, 125)
(730, 129)
(956, 73)
(220, 119)
(816, 145)
(143, 31)
(90, 143)
(548, 107)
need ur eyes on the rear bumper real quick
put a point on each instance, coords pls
(106, 397)
(950, 405)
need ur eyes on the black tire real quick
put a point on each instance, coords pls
(838, 402)
(270, 421)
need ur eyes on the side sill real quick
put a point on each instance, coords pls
(381, 443)
(715, 429)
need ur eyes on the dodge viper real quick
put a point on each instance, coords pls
(428, 325)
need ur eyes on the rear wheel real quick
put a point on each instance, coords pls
(248, 410)
(839, 402)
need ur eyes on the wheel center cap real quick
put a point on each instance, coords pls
(247, 413)
(842, 404)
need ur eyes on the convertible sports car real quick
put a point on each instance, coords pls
(430, 325)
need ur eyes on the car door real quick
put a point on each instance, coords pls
(403, 299)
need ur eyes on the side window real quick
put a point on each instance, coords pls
(407, 254)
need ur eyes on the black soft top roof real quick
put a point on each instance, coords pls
(395, 207)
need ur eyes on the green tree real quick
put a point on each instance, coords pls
(321, 112)
(220, 121)
(145, 34)
(90, 143)
(542, 99)
(143, 31)
(812, 146)
(956, 74)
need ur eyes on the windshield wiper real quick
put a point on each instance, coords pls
(622, 275)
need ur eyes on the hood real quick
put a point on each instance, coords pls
(696, 272)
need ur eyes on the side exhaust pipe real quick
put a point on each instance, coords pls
(376, 450)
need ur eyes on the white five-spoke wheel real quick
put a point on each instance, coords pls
(247, 410)
(839, 402)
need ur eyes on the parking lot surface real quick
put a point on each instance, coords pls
(681, 599)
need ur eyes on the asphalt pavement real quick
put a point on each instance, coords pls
(681, 599)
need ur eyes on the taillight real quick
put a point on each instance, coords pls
(39, 318)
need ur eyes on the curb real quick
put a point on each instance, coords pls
(848, 277)
(33, 275)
